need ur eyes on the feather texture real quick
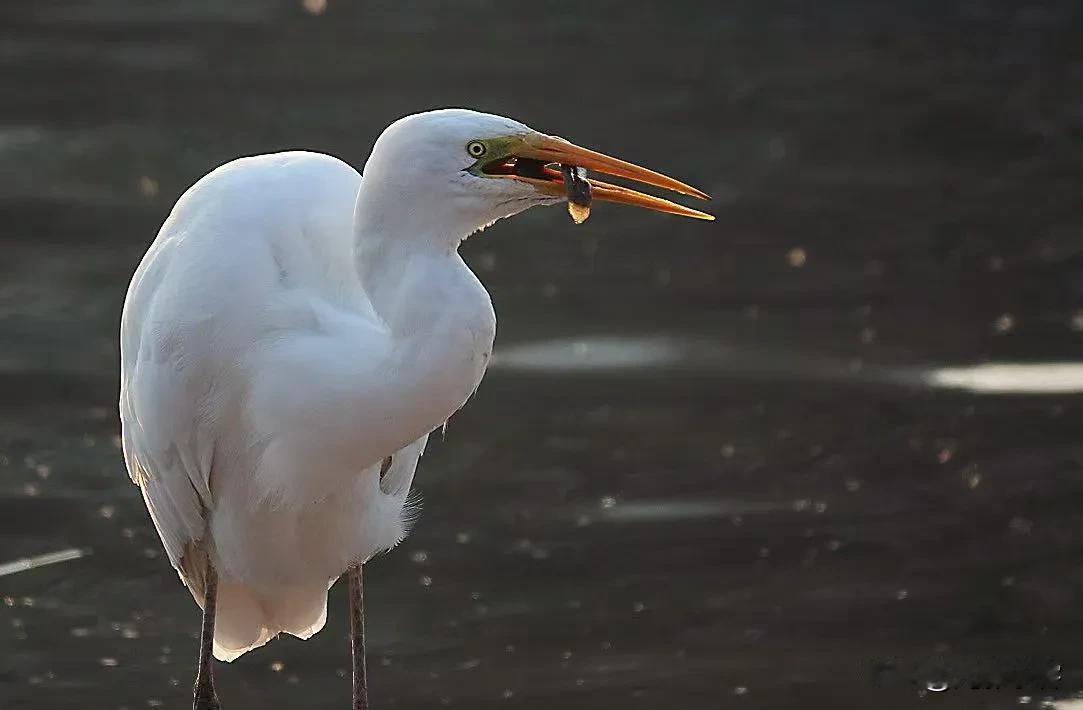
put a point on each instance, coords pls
(289, 340)
(244, 338)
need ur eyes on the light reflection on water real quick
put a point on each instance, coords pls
(28, 563)
(653, 511)
(1011, 378)
(614, 353)
(594, 354)
(590, 354)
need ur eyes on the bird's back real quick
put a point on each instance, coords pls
(253, 254)
(220, 276)
(248, 231)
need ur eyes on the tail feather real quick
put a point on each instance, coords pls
(247, 620)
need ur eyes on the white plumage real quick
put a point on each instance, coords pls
(292, 326)
(261, 389)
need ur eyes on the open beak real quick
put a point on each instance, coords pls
(536, 159)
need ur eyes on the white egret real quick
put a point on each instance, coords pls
(291, 338)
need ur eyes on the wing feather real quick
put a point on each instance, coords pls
(195, 307)
(168, 451)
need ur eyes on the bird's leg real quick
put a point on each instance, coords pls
(204, 696)
(357, 638)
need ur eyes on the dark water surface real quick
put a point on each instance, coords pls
(747, 464)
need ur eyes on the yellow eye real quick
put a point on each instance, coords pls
(475, 148)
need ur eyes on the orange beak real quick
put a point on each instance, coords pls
(545, 151)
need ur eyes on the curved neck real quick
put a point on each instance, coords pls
(438, 315)
(406, 259)
(405, 375)
(392, 273)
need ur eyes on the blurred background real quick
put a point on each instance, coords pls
(824, 451)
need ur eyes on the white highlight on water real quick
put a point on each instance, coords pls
(659, 510)
(589, 354)
(1011, 378)
(28, 563)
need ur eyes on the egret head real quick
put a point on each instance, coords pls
(456, 171)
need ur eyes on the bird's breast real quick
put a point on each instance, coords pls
(456, 356)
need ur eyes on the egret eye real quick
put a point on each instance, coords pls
(475, 148)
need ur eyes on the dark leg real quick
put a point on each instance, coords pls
(357, 638)
(204, 696)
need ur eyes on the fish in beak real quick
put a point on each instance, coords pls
(556, 167)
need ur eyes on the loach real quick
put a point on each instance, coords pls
(578, 188)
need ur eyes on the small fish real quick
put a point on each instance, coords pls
(575, 182)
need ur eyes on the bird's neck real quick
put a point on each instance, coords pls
(439, 317)
(411, 273)
(406, 255)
